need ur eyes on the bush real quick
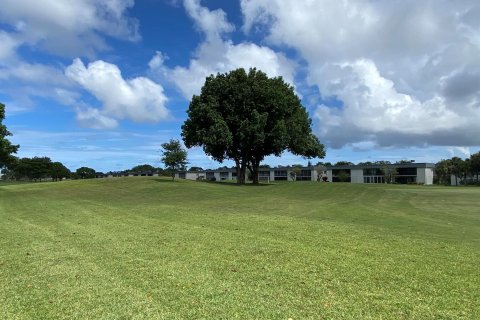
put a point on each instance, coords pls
(213, 179)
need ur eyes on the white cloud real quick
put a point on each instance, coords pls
(212, 23)
(8, 47)
(406, 73)
(93, 118)
(138, 99)
(216, 55)
(69, 27)
(34, 73)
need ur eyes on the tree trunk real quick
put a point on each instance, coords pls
(241, 177)
(239, 171)
(254, 171)
(255, 174)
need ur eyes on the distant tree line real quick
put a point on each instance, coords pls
(35, 169)
(465, 171)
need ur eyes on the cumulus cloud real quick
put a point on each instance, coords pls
(138, 99)
(405, 73)
(217, 55)
(69, 27)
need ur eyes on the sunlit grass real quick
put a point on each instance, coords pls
(152, 248)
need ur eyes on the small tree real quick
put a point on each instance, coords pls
(442, 171)
(58, 171)
(6, 147)
(389, 173)
(174, 156)
(343, 176)
(85, 173)
(295, 173)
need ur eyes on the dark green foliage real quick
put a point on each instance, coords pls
(6, 147)
(174, 156)
(475, 164)
(85, 173)
(343, 163)
(456, 168)
(144, 168)
(58, 171)
(247, 116)
(195, 169)
(343, 176)
(34, 169)
(443, 171)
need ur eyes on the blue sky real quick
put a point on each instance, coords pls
(104, 83)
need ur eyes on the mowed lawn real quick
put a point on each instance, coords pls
(134, 248)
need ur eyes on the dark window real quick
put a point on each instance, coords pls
(223, 175)
(210, 175)
(407, 171)
(305, 175)
(280, 175)
(182, 175)
(373, 172)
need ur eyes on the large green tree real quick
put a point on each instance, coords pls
(6, 147)
(174, 156)
(247, 116)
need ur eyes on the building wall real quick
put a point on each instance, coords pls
(421, 175)
(425, 176)
(357, 175)
(330, 175)
(428, 176)
(191, 175)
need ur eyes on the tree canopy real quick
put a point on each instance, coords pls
(174, 156)
(247, 116)
(85, 173)
(36, 169)
(6, 147)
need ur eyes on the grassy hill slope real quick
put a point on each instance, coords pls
(152, 248)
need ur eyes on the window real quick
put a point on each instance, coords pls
(305, 175)
(182, 175)
(280, 175)
(210, 175)
(223, 175)
(264, 175)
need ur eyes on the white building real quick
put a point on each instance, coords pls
(416, 173)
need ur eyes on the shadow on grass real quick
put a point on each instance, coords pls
(166, 180)
(223, 183)
(234, 184)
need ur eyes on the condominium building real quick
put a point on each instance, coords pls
(417, 173)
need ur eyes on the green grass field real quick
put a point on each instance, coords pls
(133, 248)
